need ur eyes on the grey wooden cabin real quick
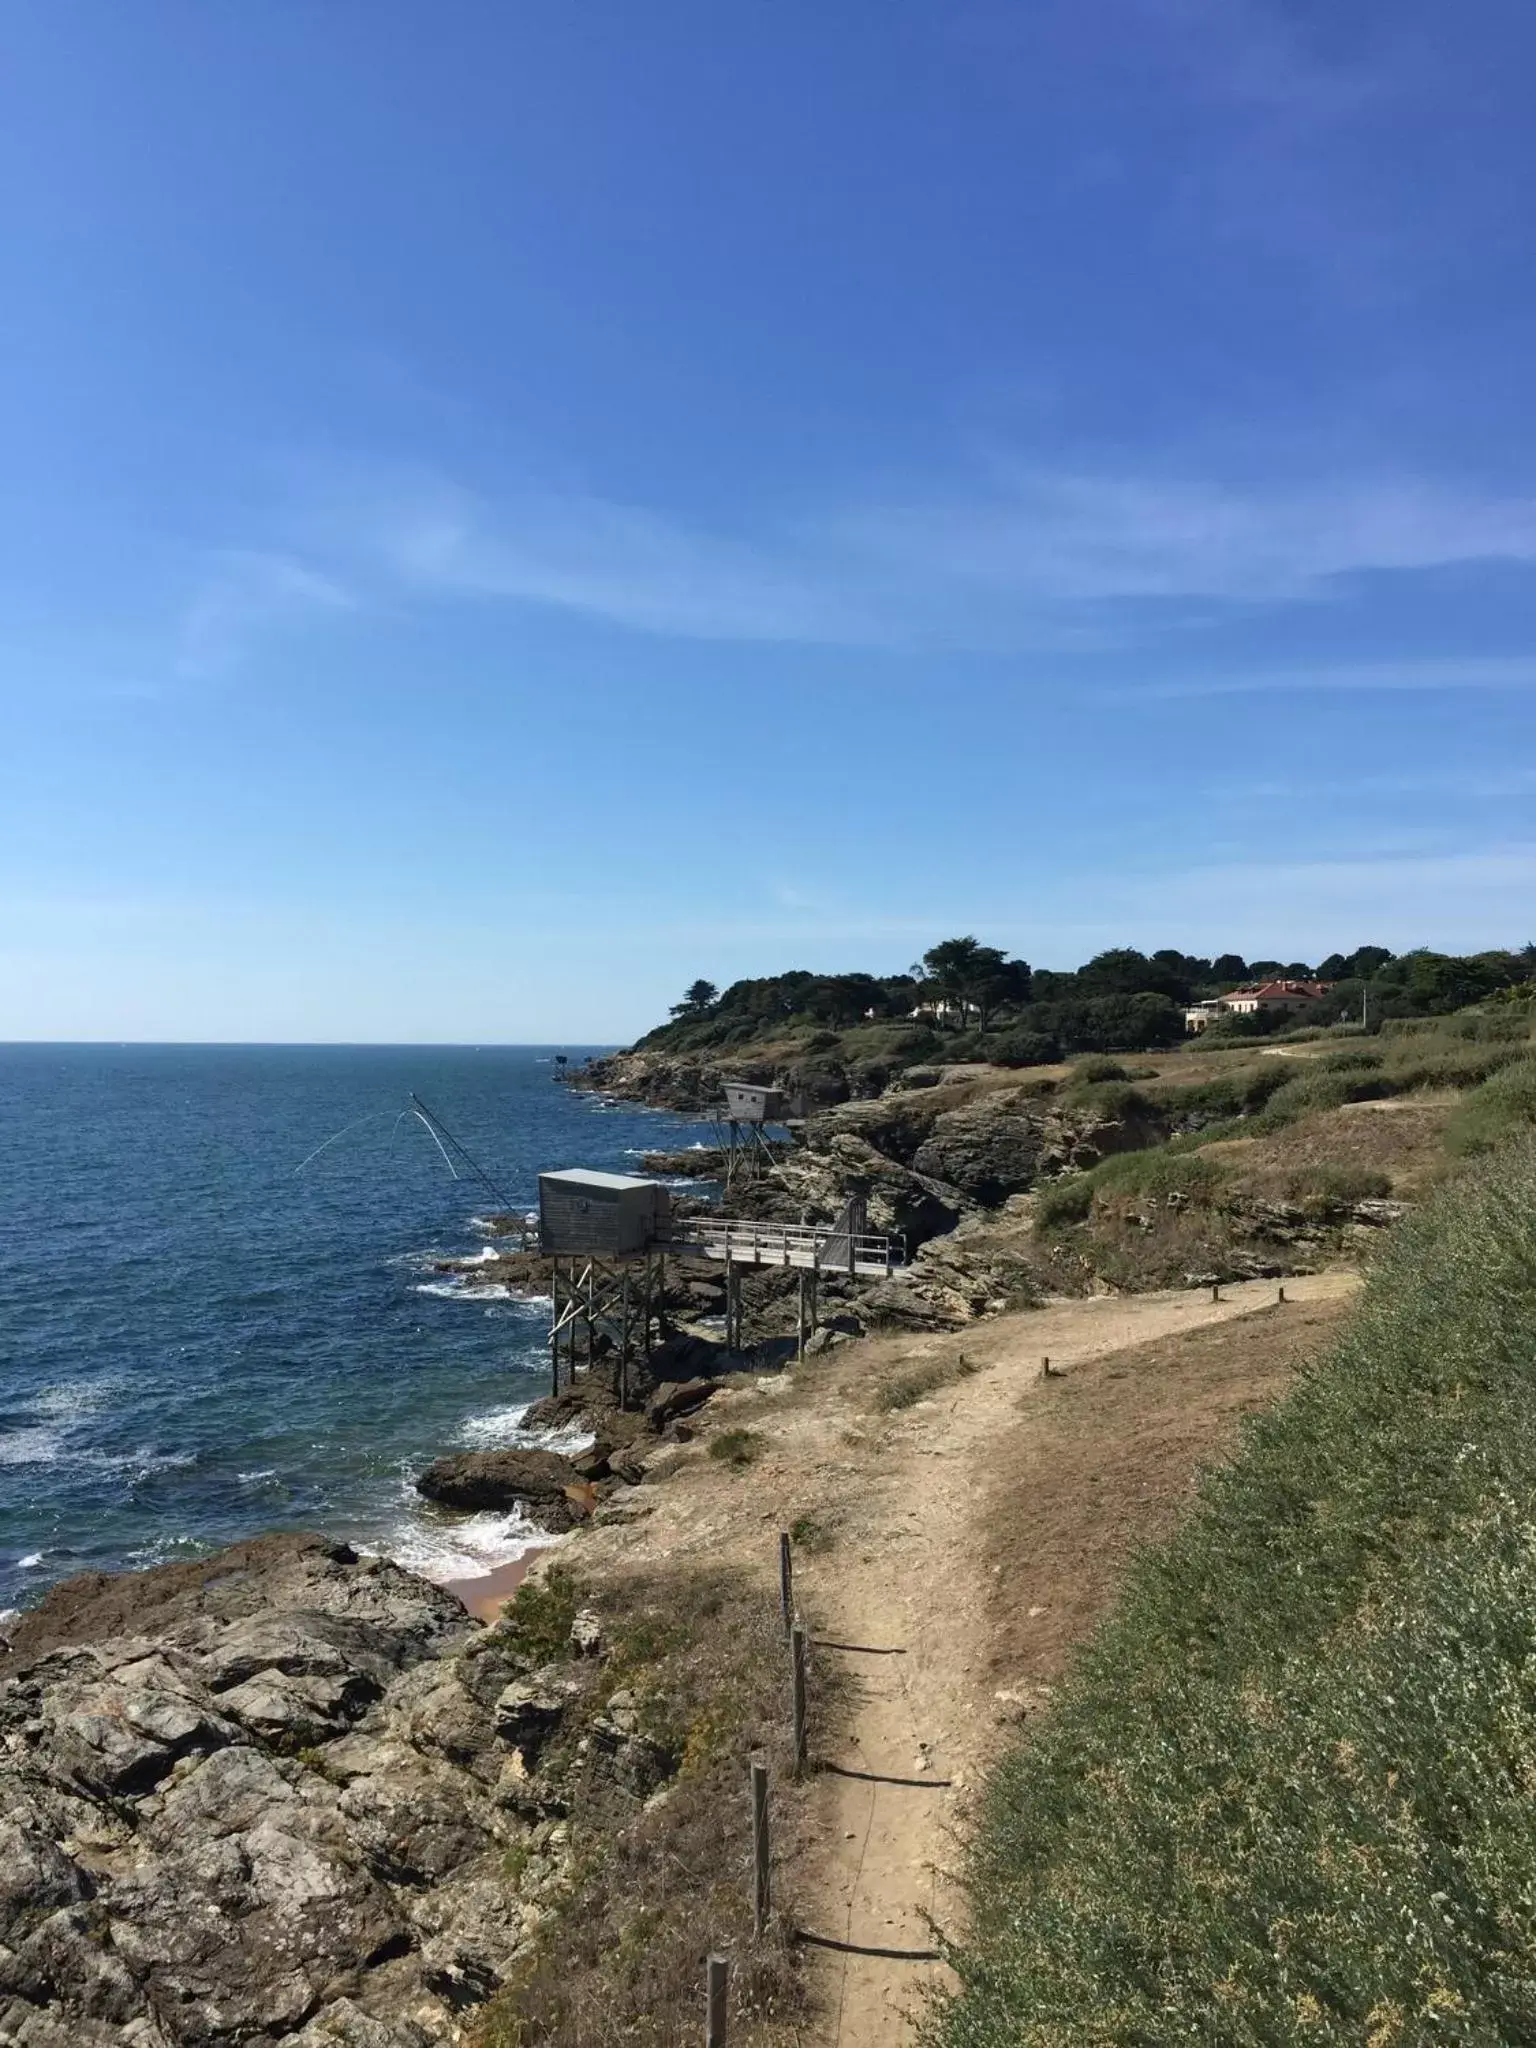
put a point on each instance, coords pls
(747, 1103)
(604, 1215)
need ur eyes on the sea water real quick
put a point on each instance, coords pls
(198, 1341)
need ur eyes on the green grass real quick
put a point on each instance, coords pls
(1503, 1108)
(1286, 1797)
(538, 1618)
(736, 1447)
(809, 1534)
(1325, 1190)
(1176, 1179)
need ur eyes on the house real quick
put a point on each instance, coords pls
(1263, 998)
(943, 1008)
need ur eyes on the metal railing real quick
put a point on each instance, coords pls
(825, 1247)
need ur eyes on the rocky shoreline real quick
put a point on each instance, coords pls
(292, 1794)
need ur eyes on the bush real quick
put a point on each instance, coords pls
(1325, 1190)
(736, 1447)
(1024, 1049)
(1284, 1798)
(1098, 1067)
(1503, 1108)
(1111, 1101)
(1238, 1092)
(1351, 1059)
(1175, 1179)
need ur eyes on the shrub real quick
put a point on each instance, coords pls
(1284, 1797)
(908, 1388)
(1098, 1067)
(1325, 1190)
(736, 1447)
(1428, 1063)
(1110, 1101)
(1024, 1049)
(1238, 1092)
(1351, 1059)
(1503, 1108)
(539, 1615)
(1064, 1201)
(1175, 1179)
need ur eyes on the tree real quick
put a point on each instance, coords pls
(965, 972)
(699, 1000)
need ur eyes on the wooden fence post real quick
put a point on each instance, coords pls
(797, 1648)
(761, 1890)
(716, 1977)
(786, 1582)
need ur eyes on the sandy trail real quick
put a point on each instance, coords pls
(976, 1536)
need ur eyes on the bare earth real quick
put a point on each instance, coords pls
(973, 1539)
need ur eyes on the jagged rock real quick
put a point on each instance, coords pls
(345, 2025)
(628, 1465)
(1004, 1143)
(529, 1710)
(229, 1791)
(592, 1463)
(683, 1357)
(679, 1398)
(587, 1633)
(706, 1162)
(540, 1482)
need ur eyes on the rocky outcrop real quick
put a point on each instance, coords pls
(278, 1795)
(1002, 1145)
(544, 1484)
(702, 1162)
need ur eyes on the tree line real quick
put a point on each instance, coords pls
(1120, 1000)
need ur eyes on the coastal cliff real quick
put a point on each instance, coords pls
(287, 1794)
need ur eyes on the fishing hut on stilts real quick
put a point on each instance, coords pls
(745, 1148)
(607, 1234)
(602, 1233)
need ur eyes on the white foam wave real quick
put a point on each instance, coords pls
(458, 1290)
(463, 1550)
(464, 1289)
(71, 1399)
(501, 1429)
(256, 1478)
(169, 1550)
(31, 1561)
(37, 1446)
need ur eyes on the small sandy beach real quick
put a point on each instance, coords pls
(487, 1593)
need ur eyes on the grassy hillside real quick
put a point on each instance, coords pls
(1288, 1796)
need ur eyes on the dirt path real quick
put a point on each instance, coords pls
(963, 1543)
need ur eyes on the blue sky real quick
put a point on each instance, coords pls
(506, 508)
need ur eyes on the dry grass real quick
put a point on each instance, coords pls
(906, 1389)
(659, 1885)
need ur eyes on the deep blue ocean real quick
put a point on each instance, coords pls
(198, 1342)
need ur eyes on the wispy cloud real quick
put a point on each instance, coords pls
(1514, 672)
(245, 593)
(631, 565)
(1026, 557)
(1058, 538)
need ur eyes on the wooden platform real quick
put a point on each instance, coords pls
(811, 1247)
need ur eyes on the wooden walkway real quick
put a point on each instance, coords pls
(812, 1247)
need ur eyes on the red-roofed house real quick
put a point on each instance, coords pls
(1260, 998)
